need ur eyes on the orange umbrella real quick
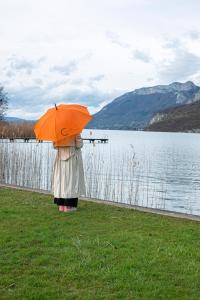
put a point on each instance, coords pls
(62, 122)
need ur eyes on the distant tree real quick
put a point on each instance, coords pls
(3, 103)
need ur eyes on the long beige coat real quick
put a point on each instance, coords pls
(68, 174)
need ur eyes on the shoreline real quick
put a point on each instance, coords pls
(118, 204)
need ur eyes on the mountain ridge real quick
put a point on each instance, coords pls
(135, 109)
(183, 118)
(139, 108)
(17, 120)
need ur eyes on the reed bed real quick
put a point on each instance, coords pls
(26, 164)
(31, 164)
(110, 174)
(16, 130)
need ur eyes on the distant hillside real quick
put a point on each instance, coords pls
(182, 119)
(17, 120)
(134, 110)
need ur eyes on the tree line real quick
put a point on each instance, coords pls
(3, 103)
(12, 130)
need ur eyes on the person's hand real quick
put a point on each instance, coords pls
(78, 141)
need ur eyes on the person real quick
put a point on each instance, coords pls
(68, 182)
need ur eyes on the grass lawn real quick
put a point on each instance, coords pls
(98, 252)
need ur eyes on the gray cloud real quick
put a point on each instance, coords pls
(97, 77)
(142, 55)
(173, 44)
(31, 99)
(183, 65)
(65, 69)
(90, 98)
(115, 39)
(93, 81)
(38, 81)
(194, 34)
(89, 82)
(23, 64)
(10, 73)
(35, 99)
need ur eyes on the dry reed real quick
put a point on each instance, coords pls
(16, 130)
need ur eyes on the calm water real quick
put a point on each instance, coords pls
(160, 170)
(167, 171)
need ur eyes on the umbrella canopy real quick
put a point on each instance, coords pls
(62, 122)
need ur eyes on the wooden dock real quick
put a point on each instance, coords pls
(92, 140)
(27, 139)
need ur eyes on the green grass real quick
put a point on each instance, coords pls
(98, 252)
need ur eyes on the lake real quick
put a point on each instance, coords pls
(152, 169)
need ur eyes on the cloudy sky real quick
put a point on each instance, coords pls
(90, 51)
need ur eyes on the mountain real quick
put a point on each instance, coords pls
(183, 118)
(135, 109)
(17, 120)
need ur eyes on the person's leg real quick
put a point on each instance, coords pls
(61, 207)
(67, 208)
(74, 204)
(60, 203)
(70, 204)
